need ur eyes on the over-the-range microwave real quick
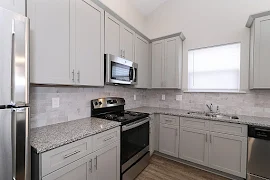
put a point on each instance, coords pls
(120, 71)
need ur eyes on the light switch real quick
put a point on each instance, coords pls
(179, 98)
(163, 97)
(55, 102)
(135, 97)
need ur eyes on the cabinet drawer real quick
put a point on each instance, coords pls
(105, 138)
(171, 120)
(57, 158)
(194, 123)
(229, 128)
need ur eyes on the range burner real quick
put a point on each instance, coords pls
(110, 116)
(133, 113)
(121, 118)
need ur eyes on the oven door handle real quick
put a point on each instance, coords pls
(128, 127)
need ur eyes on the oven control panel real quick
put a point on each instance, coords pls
(107, 102)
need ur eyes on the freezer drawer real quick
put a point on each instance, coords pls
(14, 141)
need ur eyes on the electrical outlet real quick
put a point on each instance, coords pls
(163, 97)
(135, 98)
(55, 102)
(179, 98)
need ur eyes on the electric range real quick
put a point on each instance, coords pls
(135, 153)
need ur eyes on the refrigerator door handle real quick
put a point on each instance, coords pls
(20, 143)
(12, 62)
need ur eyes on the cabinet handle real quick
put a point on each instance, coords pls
(121, 53)
(73, 76)
(96, 162)
(124, 53)
(109, 138)
(90, 166)
(206, 139)
(210, 138)
(71, 154)
(79, 74)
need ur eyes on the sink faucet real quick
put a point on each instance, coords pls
(210, 107)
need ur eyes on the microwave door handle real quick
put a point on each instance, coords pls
(134, 74)
(131, 74)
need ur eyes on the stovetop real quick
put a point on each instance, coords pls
(124, 117)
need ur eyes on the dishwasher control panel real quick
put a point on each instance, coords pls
(259, 133)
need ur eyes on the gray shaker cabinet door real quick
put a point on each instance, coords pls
(107, 162)
(169, 139)
(157, 64)
(112, 35)
(50, 42)
(89, 43)
(228, 153)
(260, 43)
(81, 169)
(127, 43)
(194, 145)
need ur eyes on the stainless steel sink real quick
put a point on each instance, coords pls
(213, 115)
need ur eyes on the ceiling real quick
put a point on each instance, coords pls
(146, 6)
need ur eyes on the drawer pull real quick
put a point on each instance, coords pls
(71, 154)
(109, 138)
(90, 166)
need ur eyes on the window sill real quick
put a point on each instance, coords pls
(215, 91)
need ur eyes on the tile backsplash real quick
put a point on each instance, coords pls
(75, 102)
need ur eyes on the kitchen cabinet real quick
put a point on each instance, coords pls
(66, 49)
(142, 59)
(259, 53)
(119, 39)
(167, 58)
(17, 6)
(169, 139)
(228, 153)
(194, 145)
(93, 158)
(107, 163)
(87, 39)
(81, 169)
(49, 41)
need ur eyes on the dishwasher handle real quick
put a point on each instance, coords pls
(259, 133)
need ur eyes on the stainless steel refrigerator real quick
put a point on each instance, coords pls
(14, 97)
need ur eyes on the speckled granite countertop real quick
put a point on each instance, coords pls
(248, 120)
(50, 137)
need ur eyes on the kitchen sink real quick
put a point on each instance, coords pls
(213, 115)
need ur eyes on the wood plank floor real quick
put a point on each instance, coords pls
(165, 169)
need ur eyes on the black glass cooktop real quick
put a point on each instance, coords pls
(124, 116)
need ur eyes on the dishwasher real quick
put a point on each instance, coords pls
(258, 167)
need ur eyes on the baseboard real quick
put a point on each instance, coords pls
(229, 176)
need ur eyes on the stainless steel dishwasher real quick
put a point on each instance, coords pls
(258, 153)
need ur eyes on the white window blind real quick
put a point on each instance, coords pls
(215, 68)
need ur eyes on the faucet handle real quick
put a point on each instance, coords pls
(217, 109)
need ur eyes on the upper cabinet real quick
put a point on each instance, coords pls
(66, 49)
(167, 56)
(17, 6)
(119, 39)
(142, 59)
(259, 52)
(89, 43)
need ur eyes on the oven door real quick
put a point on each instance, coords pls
(120, 71)
(134, 142)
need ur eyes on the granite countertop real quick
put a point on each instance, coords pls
(50, 137)
(248, 120)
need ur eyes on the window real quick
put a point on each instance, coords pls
(215, 68)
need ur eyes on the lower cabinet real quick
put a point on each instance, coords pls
(80, 170)
(107, 163)
(228, 153)
(194, 145)
(169, 139)
(103, 164)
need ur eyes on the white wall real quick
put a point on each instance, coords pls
(207, 23)
(128, 12)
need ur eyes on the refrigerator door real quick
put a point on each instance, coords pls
(14, 69)
(14, 140)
